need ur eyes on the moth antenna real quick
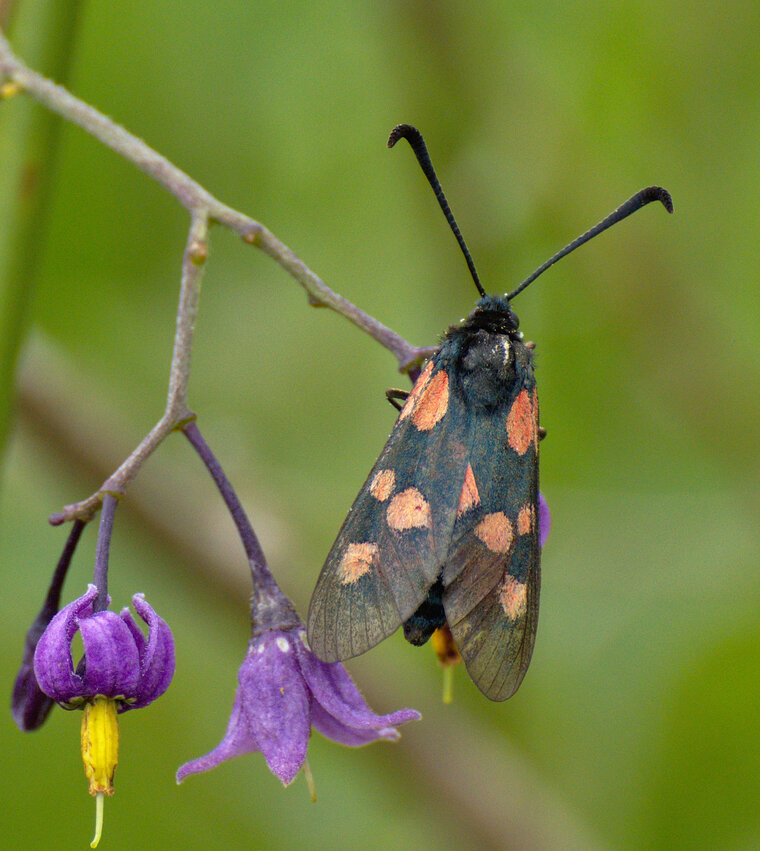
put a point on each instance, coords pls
(414, 137)
(640, 199)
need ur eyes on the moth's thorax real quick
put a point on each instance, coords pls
(488, 354)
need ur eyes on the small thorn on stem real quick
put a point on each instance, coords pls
(252, 235)
(198, 252)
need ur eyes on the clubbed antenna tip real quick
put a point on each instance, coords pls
(414, 137)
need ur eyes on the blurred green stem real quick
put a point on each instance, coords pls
(28, 141)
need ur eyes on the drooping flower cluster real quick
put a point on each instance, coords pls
(283, 690)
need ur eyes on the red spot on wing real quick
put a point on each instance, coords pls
(496, 532)
(408, 510)
(382, 484)
(526, 519)
(432, 403)
(469, 497)
(521, 423)
(419, 386)
(357, 560)
(513, 597)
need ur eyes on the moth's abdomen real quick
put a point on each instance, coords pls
(429, 617)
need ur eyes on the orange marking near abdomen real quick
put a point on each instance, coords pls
(469, 497)
(521, 423)
(432, 403)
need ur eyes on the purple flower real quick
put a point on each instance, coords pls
(118, 663)
(544, 520)
(284, 691)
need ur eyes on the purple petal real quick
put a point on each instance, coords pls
(276, 704)
(156, 655)
(238, 740)
(271, 712)
(335, 691)
(52, 659)
(343, 735)
(544, 520)
(112, 663)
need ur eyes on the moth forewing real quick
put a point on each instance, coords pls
(389, 550)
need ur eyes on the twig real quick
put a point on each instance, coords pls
(198, 200)
(204, 210)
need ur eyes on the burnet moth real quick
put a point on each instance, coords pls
(445, 531)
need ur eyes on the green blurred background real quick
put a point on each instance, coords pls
(637, 725)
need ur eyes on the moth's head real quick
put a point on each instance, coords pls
(494, 313)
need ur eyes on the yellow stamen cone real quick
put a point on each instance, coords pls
(100, 752)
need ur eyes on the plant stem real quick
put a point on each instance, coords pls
(204, 210)
(100, 577)
(269, 605)
(28, 143)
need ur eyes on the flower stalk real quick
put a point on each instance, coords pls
(283, 689)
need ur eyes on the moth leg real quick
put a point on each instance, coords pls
(393, 396)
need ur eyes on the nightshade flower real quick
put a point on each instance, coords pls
(120, 670)
(284, 691)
